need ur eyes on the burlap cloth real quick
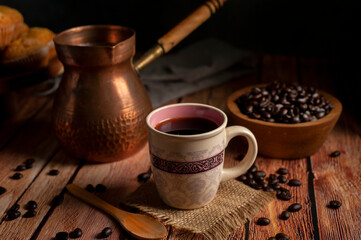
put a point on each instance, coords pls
(229, 210)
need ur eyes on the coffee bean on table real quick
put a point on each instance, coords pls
(284, 195)
(272, 176)
(143, 177)
(53, 172)
(294, 207)
(100, 188)
(90, 188)
(62, 236)
(285, 215)
(16, 176)
(30, 214)
(334, 204)
(106, 232)
(2, 190)
(282, 171)
(243, 178)
(77, 233)
(282, 236)
(31, 205)
(294, 183)
(20, 168)
(57, 200)
(13, 214)
(259, 174)
(252, 169)
(15, 207)
(282, 179)
(335, 154)
(263, 221)
(29, 163)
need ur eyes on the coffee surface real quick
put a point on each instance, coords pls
(186, 126)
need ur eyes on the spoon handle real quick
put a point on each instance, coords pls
(96, 201)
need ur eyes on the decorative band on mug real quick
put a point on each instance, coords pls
(187, 167)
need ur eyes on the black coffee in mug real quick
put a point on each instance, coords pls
(186, 126)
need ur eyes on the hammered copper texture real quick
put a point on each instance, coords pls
(100, 107)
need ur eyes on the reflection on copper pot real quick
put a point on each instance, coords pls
(100, 107)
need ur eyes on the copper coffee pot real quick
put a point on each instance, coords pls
(100, 107)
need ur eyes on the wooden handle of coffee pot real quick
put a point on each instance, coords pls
(179, 32)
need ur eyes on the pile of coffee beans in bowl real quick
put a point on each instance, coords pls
(284, 103)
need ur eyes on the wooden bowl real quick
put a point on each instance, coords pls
(286, 140)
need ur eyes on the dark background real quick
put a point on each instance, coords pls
(304, 28)
(312, 28)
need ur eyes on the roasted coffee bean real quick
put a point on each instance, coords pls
(15, 207)
(294, 207)
(143, 177)
(30, 161)
(282, 171)
(90, 188)
(20, 168)
(256, 186)
(243, 178)
(2, 190)
(31, 205)
(335, 154)
(62, 236)
(282, 179)
(28, 165)
(272, 176)
(16, 176)
(252, 169)
(275, 186)
(284, 103)
(259, 174)
(77, 233)
(281, 236)
(269, 189)
(285, 215)
(334, 204)
(30, 214)
(57, 200)
(294, 183)
(106, 232)
(13, 214)
(263, 221)
(100, 188)
(53, 172)
(284, 195)
(273, 181)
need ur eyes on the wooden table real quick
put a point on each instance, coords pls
(28, 135)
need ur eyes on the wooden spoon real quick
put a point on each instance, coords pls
(139, 226)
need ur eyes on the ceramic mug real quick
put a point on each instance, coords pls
(188, 168)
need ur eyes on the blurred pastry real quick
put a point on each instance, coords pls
(11, 21)
(31, 51)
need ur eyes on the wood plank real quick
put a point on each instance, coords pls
(336, 178)
(29, 143)
(299, 226)
(42, 190)
(120, 178)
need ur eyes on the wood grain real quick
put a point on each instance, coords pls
(120, 178)
(336, 178)
(29, 143)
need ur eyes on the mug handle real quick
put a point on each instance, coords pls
(249, 158)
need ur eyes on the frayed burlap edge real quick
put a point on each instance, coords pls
(225, 224)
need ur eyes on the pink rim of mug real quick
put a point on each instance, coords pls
(179, 110)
